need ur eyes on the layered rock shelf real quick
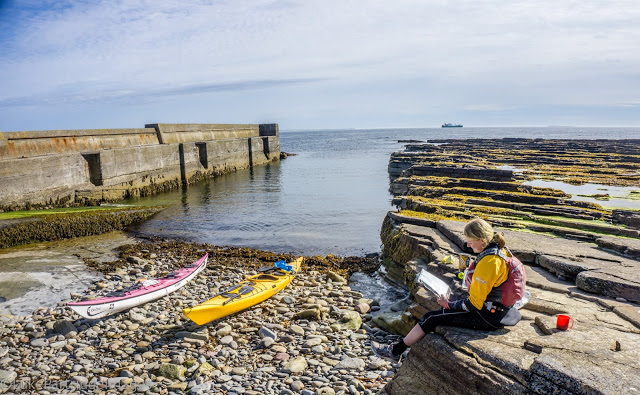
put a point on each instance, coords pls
(582, 259)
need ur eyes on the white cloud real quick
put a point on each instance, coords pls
(452, 55)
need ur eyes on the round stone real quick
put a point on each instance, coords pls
(282, 356)
(224, 331)
(313, 342)
(362, 308)
(39, 343)
(297, 330)
(297, 385)
(296, 365)
(351, 363)
(267, 342)
(286, 338)
(266, 332)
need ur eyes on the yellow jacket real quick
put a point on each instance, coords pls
(490, 272)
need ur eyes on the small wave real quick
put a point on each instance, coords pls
(251, 226)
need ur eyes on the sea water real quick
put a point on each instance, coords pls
(331, 198)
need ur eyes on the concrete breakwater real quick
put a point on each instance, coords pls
(63, 168)
(582, 259)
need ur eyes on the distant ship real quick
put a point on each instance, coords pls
(451, 125)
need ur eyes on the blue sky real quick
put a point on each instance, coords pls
(314, 64)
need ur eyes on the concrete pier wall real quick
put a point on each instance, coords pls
(49, 142)
(73, 167)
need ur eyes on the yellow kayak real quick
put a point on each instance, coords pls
(253, 290)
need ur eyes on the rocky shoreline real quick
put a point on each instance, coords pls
(311, 338)
(582, 259)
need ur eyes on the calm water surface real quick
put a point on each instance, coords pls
(329, 199)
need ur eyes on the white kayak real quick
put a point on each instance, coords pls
(140, 293)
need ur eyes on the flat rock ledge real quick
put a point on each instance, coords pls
(597, 287)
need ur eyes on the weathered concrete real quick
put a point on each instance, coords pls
(63, 168)
(28, 144)
(182, 133)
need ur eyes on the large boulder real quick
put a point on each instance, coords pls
(394, 322)
(64, 327)
(351, 320)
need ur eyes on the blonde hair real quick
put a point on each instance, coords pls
(479, 229)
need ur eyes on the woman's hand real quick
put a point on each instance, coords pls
(443, 301)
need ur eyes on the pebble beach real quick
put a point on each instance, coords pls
(311, 338)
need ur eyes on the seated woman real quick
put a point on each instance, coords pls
(482, 308)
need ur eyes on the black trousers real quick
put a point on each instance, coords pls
(477, 319)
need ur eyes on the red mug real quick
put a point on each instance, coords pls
(564, 322)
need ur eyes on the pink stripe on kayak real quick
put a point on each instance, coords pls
(162, 282)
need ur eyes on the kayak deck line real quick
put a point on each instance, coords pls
(247, 293)
(250, 280)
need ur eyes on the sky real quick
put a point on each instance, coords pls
(318, 64)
